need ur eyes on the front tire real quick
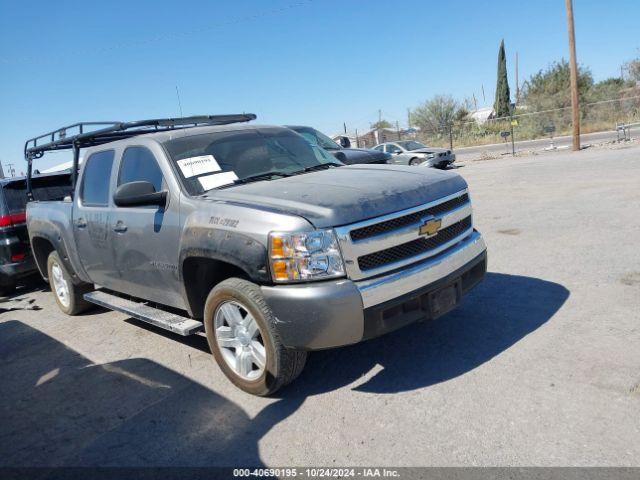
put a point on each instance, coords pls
(241, 333)
(414, 162)
(68, 295)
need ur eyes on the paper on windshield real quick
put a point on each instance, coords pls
(217, 180)
(194, 166)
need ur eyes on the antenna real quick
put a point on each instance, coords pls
(179, 102)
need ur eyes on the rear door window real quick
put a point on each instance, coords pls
(94, 190)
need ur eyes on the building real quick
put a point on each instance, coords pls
(381, 135)
(482, 115)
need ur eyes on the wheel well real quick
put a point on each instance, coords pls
(200, 275)
(41, 250)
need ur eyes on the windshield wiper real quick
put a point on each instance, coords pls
(261, 176)
(320, 166)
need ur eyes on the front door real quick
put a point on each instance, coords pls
(146, 238)
(91, 214)
(398, 155)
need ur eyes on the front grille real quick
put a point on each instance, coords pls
(396, 223)
(414, 247)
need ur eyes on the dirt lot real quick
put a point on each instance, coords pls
(540, 366)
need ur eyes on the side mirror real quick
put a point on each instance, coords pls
(397, 152)
(138, 194)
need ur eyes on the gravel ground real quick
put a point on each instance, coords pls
(539, 366)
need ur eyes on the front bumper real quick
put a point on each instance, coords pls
(342, 312)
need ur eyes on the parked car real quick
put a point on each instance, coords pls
(16, 261)
(252, 234)
(411, 152)
(346, 154)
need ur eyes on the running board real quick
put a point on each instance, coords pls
(142, 311)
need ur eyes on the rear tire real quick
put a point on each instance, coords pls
(68, 295)
(7, 289)
(241, 333)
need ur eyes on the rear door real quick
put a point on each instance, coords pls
(146, 238)
(91, 215)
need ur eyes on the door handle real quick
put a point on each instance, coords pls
(120, 227)
(81, 223)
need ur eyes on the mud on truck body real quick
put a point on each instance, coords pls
(251, 236)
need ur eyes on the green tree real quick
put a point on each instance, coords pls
(437, 113)
(502, 105)
(608, 89)
(381, 124)
(551, 88)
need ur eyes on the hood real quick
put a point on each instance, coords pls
(429, 150)
(351, 156)
(345, 195)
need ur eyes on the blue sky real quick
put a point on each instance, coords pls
(315, 62)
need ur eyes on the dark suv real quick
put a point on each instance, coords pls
(348, 156)
(16, 260)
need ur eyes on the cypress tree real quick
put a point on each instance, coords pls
(502, 105)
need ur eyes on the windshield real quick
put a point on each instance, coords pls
(411, 145)
(315, 137)
(220, 159)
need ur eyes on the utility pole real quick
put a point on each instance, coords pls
(398, 129)
(575, 107)
(379, 116)
(408, 118)
(517, 82)
(345, 127)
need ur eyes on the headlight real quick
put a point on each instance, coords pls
(303, 256)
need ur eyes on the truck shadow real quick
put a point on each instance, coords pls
(57, 408)
(492, 318)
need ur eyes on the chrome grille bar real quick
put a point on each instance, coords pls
(353, 250)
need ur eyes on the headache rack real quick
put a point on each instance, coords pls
(89, 134)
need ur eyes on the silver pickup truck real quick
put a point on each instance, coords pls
(250, 234)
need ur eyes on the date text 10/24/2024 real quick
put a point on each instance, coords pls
(319, 472)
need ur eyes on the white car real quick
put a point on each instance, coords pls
(411, 152)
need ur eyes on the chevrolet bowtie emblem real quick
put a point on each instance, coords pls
(430, 227)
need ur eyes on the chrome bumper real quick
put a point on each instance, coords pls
(387, 287)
